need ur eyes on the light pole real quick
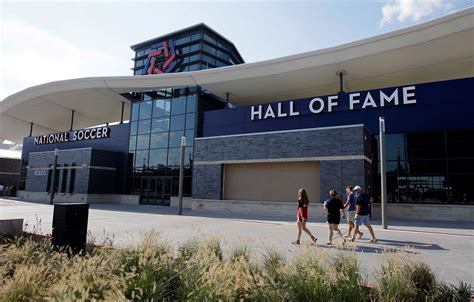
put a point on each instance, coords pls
(398, 175)
(181, 176)
(53, 177)
(383, 172)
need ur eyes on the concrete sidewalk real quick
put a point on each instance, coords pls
(446, 247)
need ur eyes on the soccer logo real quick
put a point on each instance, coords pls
(161, 59)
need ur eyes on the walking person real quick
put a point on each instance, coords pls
(351, 207)
(302, 216)
(333, 205)
(362, 214)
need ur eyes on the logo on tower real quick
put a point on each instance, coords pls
(161, 59)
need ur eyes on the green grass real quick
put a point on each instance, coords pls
(200, 271)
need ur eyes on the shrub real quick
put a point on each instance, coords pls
(149, 271)
(28, 282)
(403, 279)
(200, 272)
(452, 293)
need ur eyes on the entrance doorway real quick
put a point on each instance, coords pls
(155, 190)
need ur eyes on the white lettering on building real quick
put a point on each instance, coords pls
(318, 105)
(77, 135)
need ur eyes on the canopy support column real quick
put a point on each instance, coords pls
(121, 115)
(72, 120)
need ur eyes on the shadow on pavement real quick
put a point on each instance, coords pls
(412, 244)
(165, 210)
(373, 248)
(401, 224)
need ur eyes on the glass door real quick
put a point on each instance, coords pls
(155, 190)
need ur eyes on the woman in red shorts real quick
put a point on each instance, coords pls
(302, 216)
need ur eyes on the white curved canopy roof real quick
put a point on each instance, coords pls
(436, 50)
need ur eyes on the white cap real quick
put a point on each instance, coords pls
(357, 188)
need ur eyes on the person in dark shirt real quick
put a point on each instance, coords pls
(302, 216)
(333, 205)
(362, 214)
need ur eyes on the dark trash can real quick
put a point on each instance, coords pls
(70, 226)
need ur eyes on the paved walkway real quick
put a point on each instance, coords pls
(446, 247)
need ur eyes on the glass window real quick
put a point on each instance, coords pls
(147, 96)
(173, 156)
(191, 103)
(133, 142)
(220, 45)
(141, 53)
(177, 122)
(161, 107)
(133, 128)
(426, 145)
(423, 189)
(190, 120)
(209, 49)
(194, 67)
(183, 40)
(222, 55)
(141, 158)
(144, 126)
(209, 39)
(145, 110)
(195, 47)
(143, 141)
(158, 157)
(178, 105)
(461, 143)
(194, 58)
(424, 167)
(159, 140)
(461, 166)
(189, 137)
(196, 37)
(220, 63)
(185, 60)
(185, 50)
(160, 124)
(208, 59)
(135, 108)
(175, 138)
(394, 146)
(462, 189)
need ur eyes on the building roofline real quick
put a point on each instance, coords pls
(136, 46)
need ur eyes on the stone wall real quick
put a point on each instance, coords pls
(341, 151)
(95, 171)
(439, 212)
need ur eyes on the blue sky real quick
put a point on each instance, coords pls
(47, 41)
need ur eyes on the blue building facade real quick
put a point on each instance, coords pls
(430, 134)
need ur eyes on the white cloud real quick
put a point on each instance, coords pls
(414, 10)
(32, 56)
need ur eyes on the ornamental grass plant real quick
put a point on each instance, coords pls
(199, 270)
